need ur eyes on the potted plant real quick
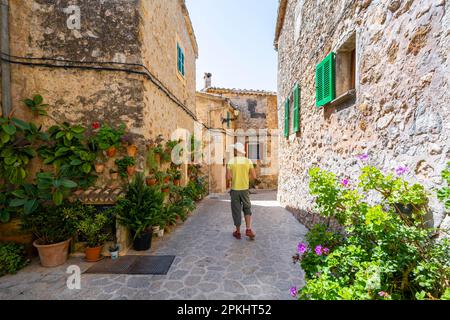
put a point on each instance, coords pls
(99, 165)
(139, 211)
(176, 177)
(131, 147)
(114, 251)
(126, 166)
(151, 180)
(114, 174)
(53, 227)
(108, 138)
(165, 189)
(92, 228)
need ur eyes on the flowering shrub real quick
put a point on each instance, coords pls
(387, 251)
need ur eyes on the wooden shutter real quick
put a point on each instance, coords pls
(296, 125)
(286, 118)
(325, 81)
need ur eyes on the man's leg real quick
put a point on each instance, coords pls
(236, 210)
(247, 207)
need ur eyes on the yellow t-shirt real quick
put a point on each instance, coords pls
(240, 168)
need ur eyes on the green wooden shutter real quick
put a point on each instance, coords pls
(286, 118)
(182, 62)
(296, 108)
(325, 81)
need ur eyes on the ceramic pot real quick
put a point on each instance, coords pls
(111, 151)
(93, 254)
(132, 150)
(99, 168)
(53, 255)
(131, 170)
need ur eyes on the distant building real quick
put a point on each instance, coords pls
(360, 77)
(253, 122)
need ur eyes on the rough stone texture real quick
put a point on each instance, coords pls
(400, 115)
(209, 263)
(118, 31)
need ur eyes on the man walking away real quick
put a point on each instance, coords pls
(239, 171)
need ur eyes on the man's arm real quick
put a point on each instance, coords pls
(229, 176)
(252, 174)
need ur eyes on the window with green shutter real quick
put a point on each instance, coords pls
(296, 126)
(325, 81)
(286, 118)
(180, 59)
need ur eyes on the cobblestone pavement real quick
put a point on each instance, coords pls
(209, 264)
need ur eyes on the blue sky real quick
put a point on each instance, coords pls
(235, 39)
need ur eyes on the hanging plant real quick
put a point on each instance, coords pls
(126, 166)
(108, 138)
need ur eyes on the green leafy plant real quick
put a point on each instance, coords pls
(36, 105)
(140, 207)
(48, 189)
(444, 193)
(93, 228)
(108, 136)
(54, 224)
(68, 152)
(385, 254)
(17, 139)
(123, 164)
(12, 258)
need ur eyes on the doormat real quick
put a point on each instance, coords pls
(137, 265)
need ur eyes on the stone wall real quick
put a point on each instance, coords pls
(117, 31)
(400, 115)
(257, 111)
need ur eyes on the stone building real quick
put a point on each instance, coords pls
(219, 116)
(255, 126)
(110, 61)
(115, 61)
(369, 77)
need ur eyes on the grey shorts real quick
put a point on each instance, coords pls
(240, 201)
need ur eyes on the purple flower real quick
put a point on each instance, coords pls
(363, 157)
(345, 182)
(318, 250)
(401, 170)
(318, 274)
(326, 250)
(383, 294)
(293, 292)
(301, 248)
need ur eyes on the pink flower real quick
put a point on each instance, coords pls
(301, 248)
(96, 125)
(345, 182)
(326, 250)
(363, 157)
(383, 294)
(318, 274)
(293, 292)
(401, 170)
(318, 250)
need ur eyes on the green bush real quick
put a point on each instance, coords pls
(12, 258)
(387, 251)
(93, 227)
(444, 193)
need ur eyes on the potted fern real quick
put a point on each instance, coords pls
(139, 211)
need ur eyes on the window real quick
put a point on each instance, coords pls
(336, 75)
(180, 59)
(254, 151)
(325, 90)
(228, 120)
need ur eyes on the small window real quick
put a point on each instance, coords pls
(180, 60)
(228, 120)
(345, 66)
(286, 118)
(254, 151)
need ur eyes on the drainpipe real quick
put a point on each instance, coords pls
(6, 68)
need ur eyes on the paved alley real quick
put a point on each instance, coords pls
(209, 264)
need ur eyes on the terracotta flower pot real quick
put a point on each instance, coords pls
(114, 175)
(132, 150)
(177, 182)
(166, 180)
(151, 181)
(93, 254)
(53, 255)
(131, 170)
(166, 190)
(111, 151)
(99, 168)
